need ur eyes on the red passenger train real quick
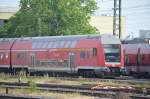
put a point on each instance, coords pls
(137, 59)
(71, 54)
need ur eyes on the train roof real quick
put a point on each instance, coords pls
(109, 39)
(133, 48)
(47, 41)
(104, 37)
(7, 40)
(59, 38)
(136, 45)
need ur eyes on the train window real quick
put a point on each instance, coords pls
(43, 63)
(94, 51)
(61, 44)
(82, 55)
(44, 44)
(39, 45)
(20, 55)
(56, 44)
(67, 45)
(34, 44)
(72, 45)
(50, 45)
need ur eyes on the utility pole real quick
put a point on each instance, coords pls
(117, 19)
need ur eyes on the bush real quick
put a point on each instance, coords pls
(32, 85)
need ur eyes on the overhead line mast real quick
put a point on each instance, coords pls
(117, 19)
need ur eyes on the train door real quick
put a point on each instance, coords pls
(20, 58)
(32, 59)
(71, 62)
(23, 57)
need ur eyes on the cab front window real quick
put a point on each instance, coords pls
(112, 52)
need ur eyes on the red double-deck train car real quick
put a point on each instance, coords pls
(71, 54)
(137, 59)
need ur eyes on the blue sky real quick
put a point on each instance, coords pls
(137, 12)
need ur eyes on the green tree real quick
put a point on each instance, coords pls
(50, 17)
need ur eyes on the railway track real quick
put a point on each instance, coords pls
(117, 79)
(10, 96)
(84, 89)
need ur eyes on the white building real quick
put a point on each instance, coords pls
(104, 25)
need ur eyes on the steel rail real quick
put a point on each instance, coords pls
(84, 89)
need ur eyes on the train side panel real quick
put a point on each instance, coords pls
(137, 59)
(64, 54)
(5, 47)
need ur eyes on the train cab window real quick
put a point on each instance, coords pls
(112, 52)
(82, 55)
(94, 51)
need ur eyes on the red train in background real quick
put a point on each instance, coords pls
(81, 55)
(137, 59)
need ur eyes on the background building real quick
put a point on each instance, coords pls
(6, 13)
(104, 24)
